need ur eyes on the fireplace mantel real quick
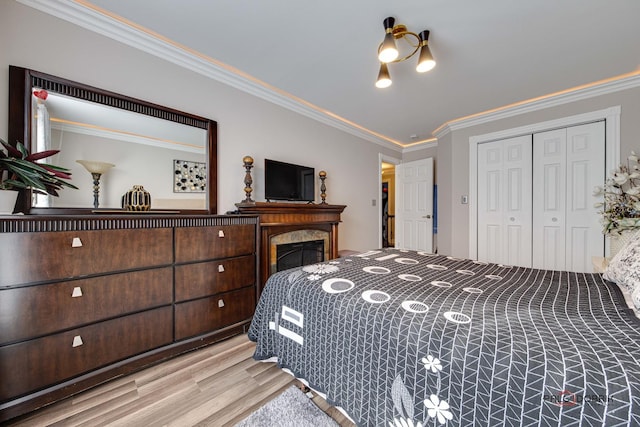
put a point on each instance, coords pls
(279, 218)
(272, 213)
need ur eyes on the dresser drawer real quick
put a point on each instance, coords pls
(39, 310)
(213, 277)
(205, 315)
(36, 257)
(205, 243)
(35, 364)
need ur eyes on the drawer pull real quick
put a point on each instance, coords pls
(221, 268)
(76, 242)
(220, 303)
(220, 233)
(77, 292)
(77, 341)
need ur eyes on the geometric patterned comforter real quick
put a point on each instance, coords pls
(404, 338)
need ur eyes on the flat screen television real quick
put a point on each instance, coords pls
(286, 181)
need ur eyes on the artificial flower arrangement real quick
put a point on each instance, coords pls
(621, 191)
(19, 170)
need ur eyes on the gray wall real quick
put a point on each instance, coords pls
(247, 125)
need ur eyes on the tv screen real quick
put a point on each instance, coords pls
(285, 181)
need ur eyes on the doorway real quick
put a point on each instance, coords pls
(388, 204)
(386, 200)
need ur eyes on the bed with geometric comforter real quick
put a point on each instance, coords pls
(404, 338)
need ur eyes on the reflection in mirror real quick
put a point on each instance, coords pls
(142, 148)
(144, 141)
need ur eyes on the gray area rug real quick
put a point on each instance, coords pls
(291, 409)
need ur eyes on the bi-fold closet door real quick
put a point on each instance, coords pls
(504, 201)
(535, 202)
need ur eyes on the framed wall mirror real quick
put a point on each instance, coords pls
(172, 154)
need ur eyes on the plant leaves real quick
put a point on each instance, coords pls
(23, 150)
(11, 150)
(41, 155)
(11, 184)
(25, 173)
(56, 171)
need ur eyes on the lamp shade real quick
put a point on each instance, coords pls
(94, 166)
(388, 51)
(425, 61)
(384, 78)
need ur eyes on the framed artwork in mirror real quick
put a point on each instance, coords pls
(189, 177)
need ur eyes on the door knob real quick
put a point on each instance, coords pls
(427, 216)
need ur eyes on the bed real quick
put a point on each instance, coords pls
(405, 338)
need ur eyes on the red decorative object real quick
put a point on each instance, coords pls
(42, 94)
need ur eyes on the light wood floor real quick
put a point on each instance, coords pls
(215, 386)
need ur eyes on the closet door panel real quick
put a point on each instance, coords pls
(490, 202)
(553, 242)
(579, 251)
(492, 246)
(585, 171)
(517, 200)
(549, 199)
(504, 201)
(516, 245)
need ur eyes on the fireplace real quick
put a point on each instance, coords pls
(297, 248)
(291, 255)
(283, 223)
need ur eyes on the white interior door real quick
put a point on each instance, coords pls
(414, 205)
(568, 164)
(504, 201)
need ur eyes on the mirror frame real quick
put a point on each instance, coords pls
(21, 84)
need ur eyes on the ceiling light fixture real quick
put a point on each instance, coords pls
(388, 52)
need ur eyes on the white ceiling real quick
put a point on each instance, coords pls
(489, 53)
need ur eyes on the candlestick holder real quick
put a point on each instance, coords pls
(323, 188)
(248, 165)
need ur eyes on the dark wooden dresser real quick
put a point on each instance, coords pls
(84, 299)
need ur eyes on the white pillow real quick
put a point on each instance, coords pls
(635, 298)
(632, 300)
(624, 269)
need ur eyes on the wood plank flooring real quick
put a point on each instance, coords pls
(215, 386)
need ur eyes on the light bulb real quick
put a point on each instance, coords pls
(384, 78)
(425, 66)
(425, 61)
(388, 52)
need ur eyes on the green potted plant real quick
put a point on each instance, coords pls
(19, 170)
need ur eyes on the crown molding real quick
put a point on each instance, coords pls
(420, 146)
(126, 137)
(626, 81)
(81, 14)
